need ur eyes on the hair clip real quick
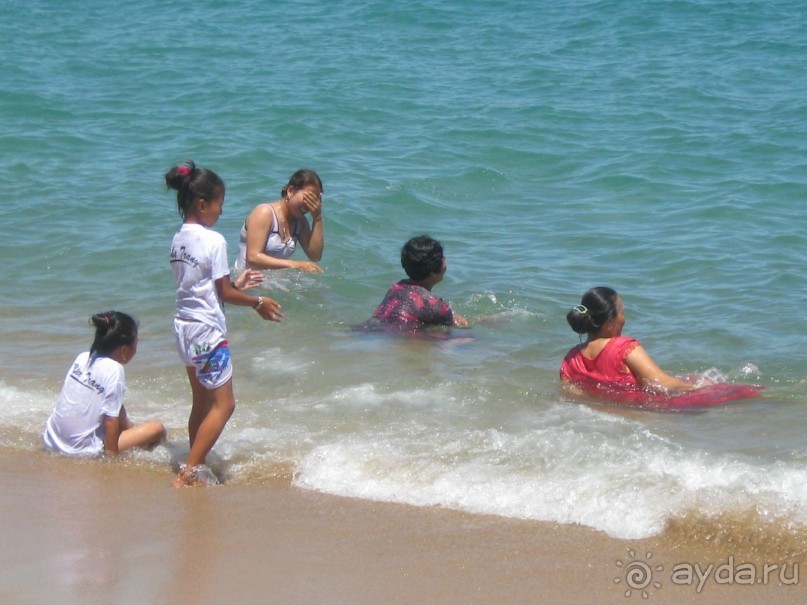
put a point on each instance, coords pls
(183, 171)
(581, 309)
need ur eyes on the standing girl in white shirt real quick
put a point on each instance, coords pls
(202, 273)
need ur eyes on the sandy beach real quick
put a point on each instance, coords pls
(110, 532)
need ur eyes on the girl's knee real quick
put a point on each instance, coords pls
(223, 399)
(155, 433)
(228, 407)
(159, 431)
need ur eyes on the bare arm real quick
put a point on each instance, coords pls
(312, 238)
(650, 375)
(250, 278)
(112, 431)
(259, 224)
(460, 321)
(265, 306)
(570, 387)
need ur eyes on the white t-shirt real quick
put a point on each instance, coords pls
(93, 388)
(198, 259)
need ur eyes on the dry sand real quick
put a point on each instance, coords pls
(110, 532)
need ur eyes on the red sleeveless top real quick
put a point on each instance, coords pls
(607, 369)
(608, 377)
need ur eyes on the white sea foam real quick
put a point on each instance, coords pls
(626, 484)
(515, 190)
(25, 409)
(461, 447)
(279, 361)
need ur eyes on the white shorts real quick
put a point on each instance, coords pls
(205, 348)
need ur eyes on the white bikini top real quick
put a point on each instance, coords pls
(274, 246)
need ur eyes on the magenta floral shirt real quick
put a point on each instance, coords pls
(409, 304)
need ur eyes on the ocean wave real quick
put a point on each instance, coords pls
(631, 486)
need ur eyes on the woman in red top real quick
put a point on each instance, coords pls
(607, 360)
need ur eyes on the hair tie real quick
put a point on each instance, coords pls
(583, 310)
(183, 171)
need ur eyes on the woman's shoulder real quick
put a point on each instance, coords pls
(266, 208)
(624, 345)
(572, 363)
(261, 218)
(263, 211)
(575, 351)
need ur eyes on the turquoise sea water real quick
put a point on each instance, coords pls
(656, 147)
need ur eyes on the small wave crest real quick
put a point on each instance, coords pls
(628, 483)
(746, 534)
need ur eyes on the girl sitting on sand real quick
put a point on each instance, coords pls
(608, 360)
(89, 418)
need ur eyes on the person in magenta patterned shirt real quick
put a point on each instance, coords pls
(409, 304)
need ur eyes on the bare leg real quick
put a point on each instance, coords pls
(146, 435)
(209, 415)
(222, 406)
(201, 405)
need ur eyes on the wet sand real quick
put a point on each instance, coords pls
(109, 532)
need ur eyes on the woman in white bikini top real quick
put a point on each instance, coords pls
(270, 234)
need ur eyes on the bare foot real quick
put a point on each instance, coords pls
(197, 476)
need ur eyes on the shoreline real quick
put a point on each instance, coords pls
(121, 533)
